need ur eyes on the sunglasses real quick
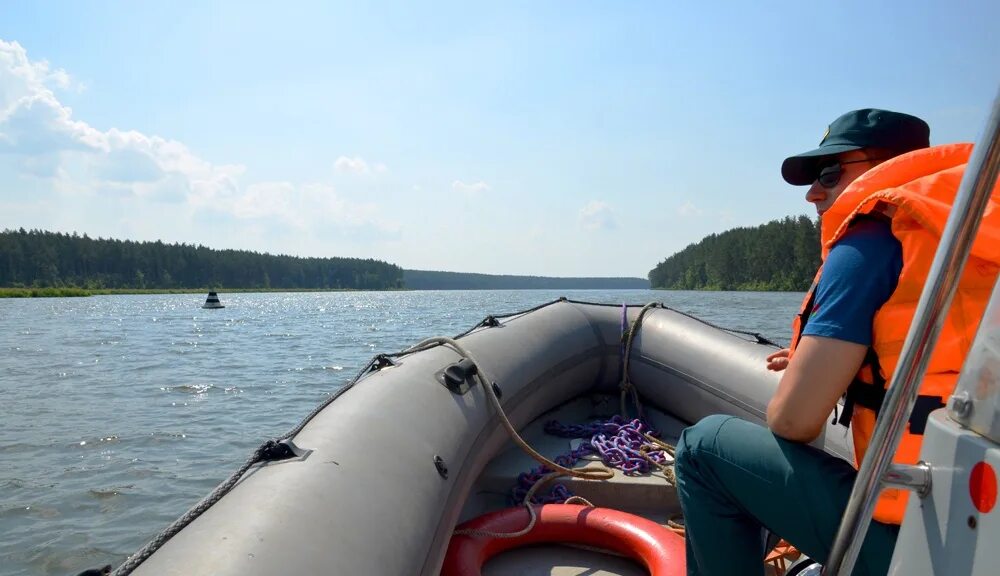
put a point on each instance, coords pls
(830, 175)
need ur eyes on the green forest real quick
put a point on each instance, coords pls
(37, 258)
(780, 255)
(41, 263)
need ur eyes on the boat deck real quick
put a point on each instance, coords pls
(651, 496)
(636, 494)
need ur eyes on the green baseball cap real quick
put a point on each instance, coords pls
(866, 128)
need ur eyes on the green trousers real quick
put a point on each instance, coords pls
(735, 478)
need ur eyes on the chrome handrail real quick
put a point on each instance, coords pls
(949, 260)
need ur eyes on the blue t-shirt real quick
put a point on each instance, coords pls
(859, 275)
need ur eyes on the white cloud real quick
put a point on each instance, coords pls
(61, 79)
(597, 215)
(20, 77)
(129, 164)
(49, 142)
(471, 189)
(265, 199)
(357, 165)
(40, 140)
(689, 209)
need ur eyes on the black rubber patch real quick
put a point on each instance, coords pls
(440, 465)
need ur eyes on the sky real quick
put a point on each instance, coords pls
(554, 138)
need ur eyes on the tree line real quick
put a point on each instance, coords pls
(38, 258)
(780, 255)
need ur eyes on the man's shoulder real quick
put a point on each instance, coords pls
(859, 274)
(868, 232)
(866, 253)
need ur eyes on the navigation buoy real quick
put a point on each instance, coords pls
(212, 301)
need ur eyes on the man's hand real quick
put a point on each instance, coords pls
(779, 360)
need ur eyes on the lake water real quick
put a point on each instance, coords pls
(120, 412)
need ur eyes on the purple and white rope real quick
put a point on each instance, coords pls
(618, 442)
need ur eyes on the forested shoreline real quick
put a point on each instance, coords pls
(40, 259)
(780, 255)
(35, 263)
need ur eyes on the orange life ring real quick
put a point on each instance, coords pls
(656, 547)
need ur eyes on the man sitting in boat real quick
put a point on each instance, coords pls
(883, 196)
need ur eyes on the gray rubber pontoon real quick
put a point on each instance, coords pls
(382, 474)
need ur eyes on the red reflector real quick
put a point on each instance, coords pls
(983, 487)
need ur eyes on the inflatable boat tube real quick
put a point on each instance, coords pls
(384, 469)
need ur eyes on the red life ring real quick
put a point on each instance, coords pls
(658, 548)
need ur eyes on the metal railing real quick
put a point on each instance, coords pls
(935, 300)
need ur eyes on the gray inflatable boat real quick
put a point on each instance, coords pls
(376, 480)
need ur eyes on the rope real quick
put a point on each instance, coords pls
(531, 515)
(493, 319)
(626, 446)
(675, 526)
(559, 492)
(221, 490)
(630, 446)
(146, 551)
(758, 337)
(588, 474)
(626, 386)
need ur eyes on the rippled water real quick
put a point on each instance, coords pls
(120, 412)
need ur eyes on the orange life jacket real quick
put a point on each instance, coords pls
(915, 193)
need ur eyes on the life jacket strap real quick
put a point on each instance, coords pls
(871, 396)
